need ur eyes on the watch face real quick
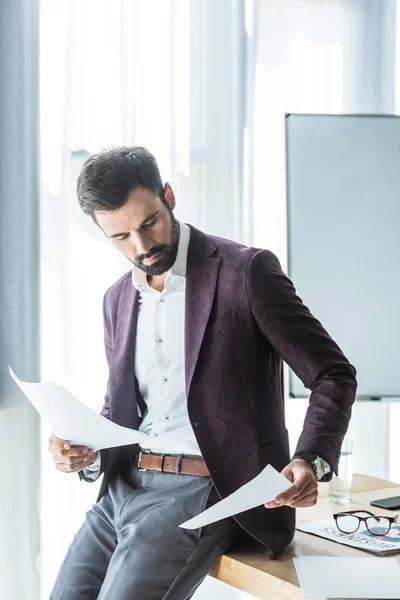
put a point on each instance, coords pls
(320, 467)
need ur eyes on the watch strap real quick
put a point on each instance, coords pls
(320, 466)
(309, 456)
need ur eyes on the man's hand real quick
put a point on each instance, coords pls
(304, 491)
(70, 459)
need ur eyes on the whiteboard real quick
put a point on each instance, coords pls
(343, 209)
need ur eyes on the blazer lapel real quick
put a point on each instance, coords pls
(201, 281)
(122, 385)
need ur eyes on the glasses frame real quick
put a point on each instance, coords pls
(353, 513)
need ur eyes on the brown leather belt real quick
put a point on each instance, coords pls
(179, 464)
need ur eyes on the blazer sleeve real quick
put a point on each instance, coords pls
(105, 411)
(302, 342)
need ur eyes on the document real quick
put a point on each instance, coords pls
(263, 488)
(70, 419)
(345, 577)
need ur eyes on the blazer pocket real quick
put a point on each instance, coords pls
(276, 453)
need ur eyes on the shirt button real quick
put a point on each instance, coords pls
(162, 299)
(165, 379)
(160, 340)
(167, 418)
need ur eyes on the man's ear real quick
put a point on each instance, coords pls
(169, 195)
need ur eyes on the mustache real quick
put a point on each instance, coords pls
(157, 251)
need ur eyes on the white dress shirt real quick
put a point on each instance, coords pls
(160, 359)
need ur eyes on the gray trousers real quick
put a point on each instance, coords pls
(131, 548)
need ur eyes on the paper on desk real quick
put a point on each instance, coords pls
(72, 420)
(263, 488)
(339, 577)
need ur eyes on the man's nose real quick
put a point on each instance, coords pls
(140, 246)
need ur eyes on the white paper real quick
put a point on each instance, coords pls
(263, 488)
(339, 577)
(70, 419)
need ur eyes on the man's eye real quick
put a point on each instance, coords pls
(149, 224)
(145, 226)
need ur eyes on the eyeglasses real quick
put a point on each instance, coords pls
(349, 522)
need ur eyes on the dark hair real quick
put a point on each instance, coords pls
(108, 177)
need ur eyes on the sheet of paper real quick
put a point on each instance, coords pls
(345, 577)
(72, 420)
(263, 488)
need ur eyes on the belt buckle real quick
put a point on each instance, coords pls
(140, 468)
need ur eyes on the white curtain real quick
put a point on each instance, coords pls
(19, 298)
(205, 86)
(165, 74)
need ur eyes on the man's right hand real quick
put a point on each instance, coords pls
(70, 459)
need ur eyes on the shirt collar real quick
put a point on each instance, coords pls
(139, 278)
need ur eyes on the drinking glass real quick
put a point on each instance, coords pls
(340, 485)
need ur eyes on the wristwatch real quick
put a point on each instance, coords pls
(319, 465)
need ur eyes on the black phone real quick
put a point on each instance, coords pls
(388, 503)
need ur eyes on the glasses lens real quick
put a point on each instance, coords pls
(347, 523)
(378, 525)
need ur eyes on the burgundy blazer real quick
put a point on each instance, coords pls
(242, 319)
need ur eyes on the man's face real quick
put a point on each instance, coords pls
(144, 230)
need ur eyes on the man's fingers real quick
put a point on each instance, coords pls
(58, 442)
(57, 445)
(67, 458)
(298, 502)
(296, 490)
(72, 468)
(74, 451)
(305, 501)
(308, 492)
(70, 461)
(310, 488)
(67, 469)
(304, 485)
(64, 448)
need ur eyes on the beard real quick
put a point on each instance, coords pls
(168, 253)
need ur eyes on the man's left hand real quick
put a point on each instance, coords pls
(304, 491)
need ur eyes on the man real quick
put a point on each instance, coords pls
(195, 335)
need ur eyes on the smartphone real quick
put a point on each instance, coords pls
(388, 503)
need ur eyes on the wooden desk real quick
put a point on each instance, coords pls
(251, 570)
